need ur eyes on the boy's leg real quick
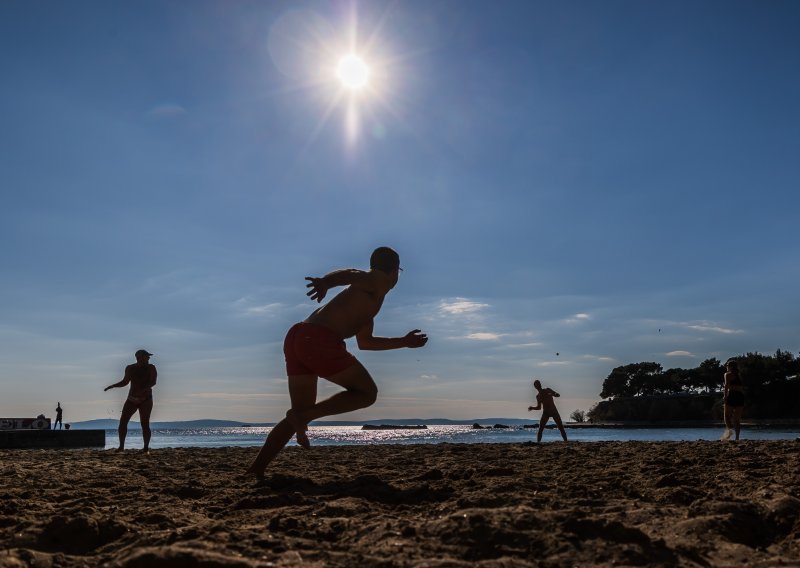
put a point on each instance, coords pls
(145, 409)
(557, 418)
(303, 393)
(542, 423)
(360, 392)
(127, 411)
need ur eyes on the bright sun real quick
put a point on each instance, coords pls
(353, 72)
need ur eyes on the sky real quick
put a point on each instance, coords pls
(571, 186)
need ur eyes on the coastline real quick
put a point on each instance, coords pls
(771, 424)
(599, 504)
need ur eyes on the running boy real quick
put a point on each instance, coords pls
(315, 348)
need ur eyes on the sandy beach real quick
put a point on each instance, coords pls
(576, 504)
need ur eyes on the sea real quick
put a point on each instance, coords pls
(453, 434)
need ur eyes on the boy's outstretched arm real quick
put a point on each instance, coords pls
(368, 342)
(125, 380)
(344, 277)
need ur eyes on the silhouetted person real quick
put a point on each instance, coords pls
(315, 348)
(142, 378)
(733, 400)
(545, 403)
(58, 421)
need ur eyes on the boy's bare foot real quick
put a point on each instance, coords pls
(300, 428)
(259, 475)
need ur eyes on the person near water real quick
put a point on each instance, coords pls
(142, 377)
(59, 412)
(733, 400)
(316, 348)
(545, 403)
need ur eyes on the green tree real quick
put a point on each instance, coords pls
(632, 380)
(578, 416)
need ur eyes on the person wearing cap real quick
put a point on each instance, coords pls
(142, 377)
(315, 348)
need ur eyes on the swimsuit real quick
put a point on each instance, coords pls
(312, 349)
(137, 401)
(735, 398)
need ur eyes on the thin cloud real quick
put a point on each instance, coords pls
(245, 307)
(679, 354)
(266, 309)
(166, 111)
(460, 306)
(484, 336)
(551, 363)
(707, 326)
(598, 358)
(577, 318)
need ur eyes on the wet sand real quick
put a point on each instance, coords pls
(576, 504)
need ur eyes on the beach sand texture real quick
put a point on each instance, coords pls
(576, 504)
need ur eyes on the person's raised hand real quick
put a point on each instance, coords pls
(318, 288)
(415, 338)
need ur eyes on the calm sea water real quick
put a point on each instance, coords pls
(354, 435)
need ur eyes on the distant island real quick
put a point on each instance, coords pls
(111, 424)
(394, 427)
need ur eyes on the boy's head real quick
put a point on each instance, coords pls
(385, 259)
(537, 384)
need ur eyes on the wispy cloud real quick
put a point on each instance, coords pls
(266, 309)
(679, 354)
(247, 307)
(708, 326)
(598, 358)
(484, 336)
(551, 363)
(577, 318)
(459, 306)
(167, 110)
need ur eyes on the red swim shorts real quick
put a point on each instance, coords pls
(312, 349)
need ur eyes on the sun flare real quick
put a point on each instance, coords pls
(353, 72)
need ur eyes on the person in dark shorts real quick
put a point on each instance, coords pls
(545, 403)
(733, 400)
(315, 348)
(142, 377)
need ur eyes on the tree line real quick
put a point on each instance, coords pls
(771, 385)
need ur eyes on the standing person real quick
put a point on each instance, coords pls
(733, 399)
(544, 402)
(315, 348)
(58, 421)
(142, 378)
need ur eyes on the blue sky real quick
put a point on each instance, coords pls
(562, 180)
